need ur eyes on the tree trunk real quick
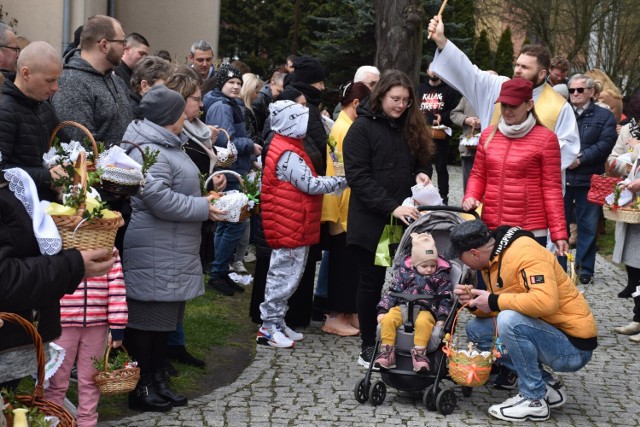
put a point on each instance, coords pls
(399, 36)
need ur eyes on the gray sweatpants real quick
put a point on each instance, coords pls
(285, 272)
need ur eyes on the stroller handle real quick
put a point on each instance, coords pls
(457, 209)
(414, 298)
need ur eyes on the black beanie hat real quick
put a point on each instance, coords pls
(227, 72)
(162, 105)
(289, 93)
(307, 70)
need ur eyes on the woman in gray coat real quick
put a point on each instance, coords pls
(161, 246)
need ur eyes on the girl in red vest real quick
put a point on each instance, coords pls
(291, 202)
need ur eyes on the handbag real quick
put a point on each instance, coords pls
(601, 187)
(388, 243)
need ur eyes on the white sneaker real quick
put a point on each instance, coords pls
(518, 408)
(273, 337)
(250, 256)
(239, 268)
(291, 334)
(630, 329)
(555, 397)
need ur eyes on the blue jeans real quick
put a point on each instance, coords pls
(176, 337)
(587, 216)
(529, 343)
(227, 236)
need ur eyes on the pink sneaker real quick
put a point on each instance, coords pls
(387, 357)
(420, 360)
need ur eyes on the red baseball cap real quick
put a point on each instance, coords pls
(516, 91)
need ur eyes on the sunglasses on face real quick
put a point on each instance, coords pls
(578, 89)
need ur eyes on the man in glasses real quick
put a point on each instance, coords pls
(90, 93)
(9, 52)
(482, 88)
(597, 137)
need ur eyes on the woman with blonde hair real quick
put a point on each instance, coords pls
(609, 95)
(251, 86)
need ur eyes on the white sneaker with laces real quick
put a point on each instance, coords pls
(555, 397)
(273, 337)
(519, 408)
(291, 334)
(239, 268)
(250, 256)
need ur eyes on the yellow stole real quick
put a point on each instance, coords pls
(547, 107)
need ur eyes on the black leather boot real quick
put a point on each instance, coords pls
(145, 398)
(161, 382)
(179, 353)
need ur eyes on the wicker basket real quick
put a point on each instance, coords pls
(78, 233)
(245, 212)
(116, 381)
(465, 370)
(123, 182)
(37, 398)
(90, 165)
(630, 216)
(437, 132)
(338, 168)
(226, 156)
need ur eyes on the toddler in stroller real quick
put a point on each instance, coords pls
(426, 273)
(402, 365)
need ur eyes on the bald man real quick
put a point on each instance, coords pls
(26, 116)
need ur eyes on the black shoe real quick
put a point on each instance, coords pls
(506, 379)
(145, 397)
(73, 375)
(180, 354)
(367, 356)
(233, 285)
(586, 279)
(171, 370)
(626, 292)
(221, 285)
(161, 383)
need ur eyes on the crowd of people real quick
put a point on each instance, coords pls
(530, 144)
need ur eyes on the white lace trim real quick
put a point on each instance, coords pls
(45, 230)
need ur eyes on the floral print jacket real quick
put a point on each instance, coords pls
(406, 280)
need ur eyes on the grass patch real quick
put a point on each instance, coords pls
(218, 330)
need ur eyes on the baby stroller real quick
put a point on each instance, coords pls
(438, 221)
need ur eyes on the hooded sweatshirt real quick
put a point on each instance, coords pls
(95, 100)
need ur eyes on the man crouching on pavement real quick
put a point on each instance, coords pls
(542, 318)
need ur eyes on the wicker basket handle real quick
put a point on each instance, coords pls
(223, 130)
(82, 128)
(38, 392)
(106, 355)
(455, 320)
(234, 173)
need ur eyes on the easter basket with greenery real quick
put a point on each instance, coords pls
(120, 375)
(38, 411)
(239, 205)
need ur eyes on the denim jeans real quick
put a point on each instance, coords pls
(587, 216)
(176, 337)
(227, 236)
(529, 343)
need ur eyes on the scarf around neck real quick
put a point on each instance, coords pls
(519, 130)
(200, 133)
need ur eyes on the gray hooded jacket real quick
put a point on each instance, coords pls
(98, 101)
(162, 242)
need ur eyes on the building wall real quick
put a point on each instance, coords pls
(167, 24)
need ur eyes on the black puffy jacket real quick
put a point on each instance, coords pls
(380, 170)
(31, 283)
(25, 127)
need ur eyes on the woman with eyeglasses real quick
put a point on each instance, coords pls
(387, 150)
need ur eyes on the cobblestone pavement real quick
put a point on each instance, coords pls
(312, 384)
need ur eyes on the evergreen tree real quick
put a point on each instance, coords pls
(463, 25)
(482, 55)
(504, 54)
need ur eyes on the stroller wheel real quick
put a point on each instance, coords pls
(446, 402)
(429, 398)
(361, 391)
(466, 391)
(378, 393)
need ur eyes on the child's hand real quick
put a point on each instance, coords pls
(380, 317)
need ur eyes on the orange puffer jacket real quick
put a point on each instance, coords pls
(519, 181)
